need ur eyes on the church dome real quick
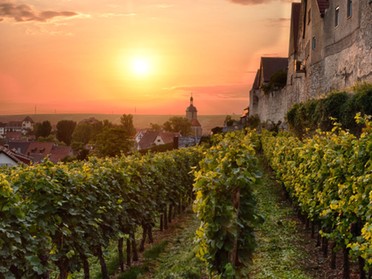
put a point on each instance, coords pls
(191, 108)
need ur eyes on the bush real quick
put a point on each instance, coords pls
(314, 114)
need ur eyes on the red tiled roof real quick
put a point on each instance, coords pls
(39, 148)
(271, 65)
(59, 153)
(18, 158)
(13, 135)
(195, 122)
(323, 5)
(147, 140)
(168, 137)
(19, 146)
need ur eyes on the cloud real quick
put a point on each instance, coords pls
(23, 12)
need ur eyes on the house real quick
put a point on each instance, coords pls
(27, 123)
(150, 139)
(2, 129)
(330, 48)
(38, 151)
(10, 158)
(333, 49)
(266, 99)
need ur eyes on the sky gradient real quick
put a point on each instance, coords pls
(76, 56)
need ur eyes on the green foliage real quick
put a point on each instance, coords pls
(55, 216)
(65, 128)
(327, 109)
(277, 81)
(178, 124)
(228, 121)
(253, 121)
(306, 117)
(155, 251)
(155, 127)
(225, 203)
(112, 141)
(43, 129)
(126, 121)
(85, 132)
(178, 259)
(329, 177)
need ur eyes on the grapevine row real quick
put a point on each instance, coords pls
(55, 217)
(329, 177)
(225, 204)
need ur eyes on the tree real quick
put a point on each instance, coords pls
(43, 129)
(86, 131)
(155, 127)
(126, 121)
(65, 129)
(115, 139)
(229, 121)
(112, 141)
(178, 124)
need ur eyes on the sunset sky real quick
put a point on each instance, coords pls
(139, 56)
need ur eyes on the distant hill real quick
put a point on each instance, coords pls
(140, 121)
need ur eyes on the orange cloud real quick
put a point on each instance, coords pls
(23, 12)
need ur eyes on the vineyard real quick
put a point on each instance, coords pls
(329, 179)
(56, 218)
(226, 205)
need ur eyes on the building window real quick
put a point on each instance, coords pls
(337, 16)
(349, 8)
(313, 43)
(308, 16)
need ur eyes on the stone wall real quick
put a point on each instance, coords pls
(271, 106)
(346, 53)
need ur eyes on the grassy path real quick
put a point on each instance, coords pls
(281, 250)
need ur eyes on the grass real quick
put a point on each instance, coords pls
(173, 257)
(280, 251)
(179, 260)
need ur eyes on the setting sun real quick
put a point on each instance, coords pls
(140, 66)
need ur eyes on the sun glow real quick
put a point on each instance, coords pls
(140, 66)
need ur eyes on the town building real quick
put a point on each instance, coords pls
(38, 151)
(330, 48)
(16, 128)
(10, 158)
(146, 139)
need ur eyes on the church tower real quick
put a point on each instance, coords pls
(192, 116)
(191, 111)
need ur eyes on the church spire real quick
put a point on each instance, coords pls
(191, 100)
